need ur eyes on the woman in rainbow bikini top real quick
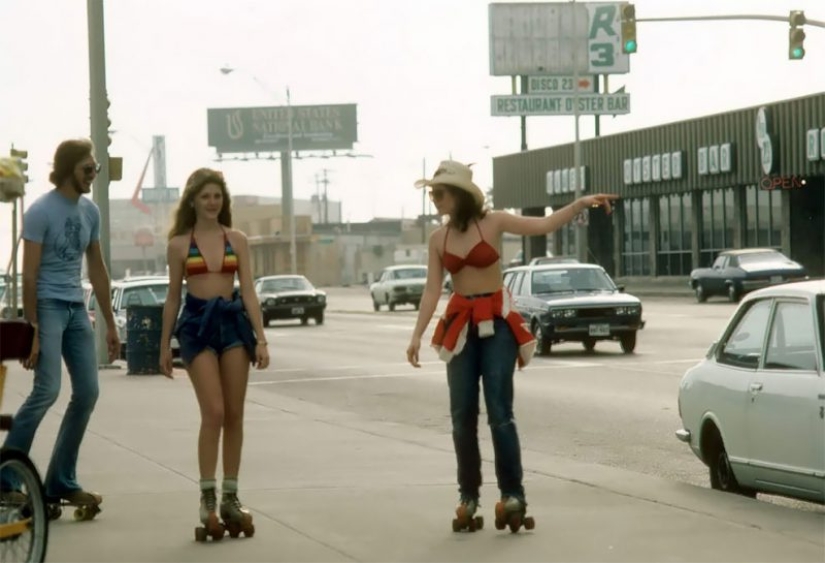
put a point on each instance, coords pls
(481, 336)
(220, 331)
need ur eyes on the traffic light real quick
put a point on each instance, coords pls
(796, 35)
(21, 157)
(628, 13)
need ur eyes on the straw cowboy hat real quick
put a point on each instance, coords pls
(456, 174)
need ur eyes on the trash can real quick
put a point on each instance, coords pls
(143, 327)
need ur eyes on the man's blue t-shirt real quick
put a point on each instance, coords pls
(65, 228)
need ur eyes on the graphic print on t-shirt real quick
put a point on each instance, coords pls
(67, 245)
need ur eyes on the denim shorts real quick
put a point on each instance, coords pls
(216, 324)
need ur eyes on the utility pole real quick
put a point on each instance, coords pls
(100, 137)
(325, 182)
(424, 204)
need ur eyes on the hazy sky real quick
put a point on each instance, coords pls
(418, 71)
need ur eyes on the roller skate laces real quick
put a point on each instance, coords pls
(465, 516)
(511, 511)
(212, 527)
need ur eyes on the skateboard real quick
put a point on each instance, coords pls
(514, 519)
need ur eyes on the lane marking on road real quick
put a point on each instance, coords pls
(336, 368)
(414, 373)
(684, 361)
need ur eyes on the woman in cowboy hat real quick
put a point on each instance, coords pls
(481, 336)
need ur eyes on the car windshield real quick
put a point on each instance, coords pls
(409, 273)
(285, 284)
(570, 280)
(755, 257)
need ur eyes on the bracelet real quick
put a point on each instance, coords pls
(263, 343)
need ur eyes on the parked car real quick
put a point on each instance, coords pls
(518, 259)
(290, 297)
(754, 409)
(553, 260)
(399, 285)
(734, 273)
(572, 302)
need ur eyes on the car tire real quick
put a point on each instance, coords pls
(319, 319)
(543, 345)
(733, 293)
(417, 304)
(304, 321)
(719, 468)
(376, 305)
(391, 305)
(628, 342)
(699, 291)
(589, 344)
(266, 321)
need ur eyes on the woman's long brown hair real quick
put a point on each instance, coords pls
(466, 209)
(185, 213)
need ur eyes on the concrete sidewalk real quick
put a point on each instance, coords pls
(328, 485)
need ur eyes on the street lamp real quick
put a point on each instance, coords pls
(286, 180)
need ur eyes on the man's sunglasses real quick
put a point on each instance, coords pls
(89, 168)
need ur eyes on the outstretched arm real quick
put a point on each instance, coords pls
(531, 226)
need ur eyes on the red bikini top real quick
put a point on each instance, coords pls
(482, 255)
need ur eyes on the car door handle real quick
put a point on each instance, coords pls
(756, 387)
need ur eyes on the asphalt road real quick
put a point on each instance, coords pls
(604, 407)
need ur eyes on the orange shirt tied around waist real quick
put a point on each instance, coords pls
(451, 331)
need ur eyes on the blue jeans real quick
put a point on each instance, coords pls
(65, 334)
(493, 361)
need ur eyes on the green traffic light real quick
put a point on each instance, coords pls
(630, 46)
(798, 52)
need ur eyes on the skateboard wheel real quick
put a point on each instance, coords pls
(529, 523)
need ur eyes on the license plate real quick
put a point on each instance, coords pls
(599, 330)
(297, 310)
(776, 279)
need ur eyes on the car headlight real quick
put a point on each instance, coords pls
(562, 313)
(321, 298)
(270, 301)
(629, 310)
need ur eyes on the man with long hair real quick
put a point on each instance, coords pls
(220, 331)
(481, 336)
(59, 228)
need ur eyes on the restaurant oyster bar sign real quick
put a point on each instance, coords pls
(266, 129)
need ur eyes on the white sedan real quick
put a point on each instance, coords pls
(754, 409)
(399, 285)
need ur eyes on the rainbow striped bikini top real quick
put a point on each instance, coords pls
(196, 265)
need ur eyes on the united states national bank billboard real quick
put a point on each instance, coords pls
(265, 129)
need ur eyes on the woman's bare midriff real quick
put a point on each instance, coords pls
(473, 281)
(213, 284)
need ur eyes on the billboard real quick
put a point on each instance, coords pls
(266, 129)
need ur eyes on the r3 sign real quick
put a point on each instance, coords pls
(605, 40)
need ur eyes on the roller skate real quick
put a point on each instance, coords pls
(235, 517)
(87, 505)
(510, 511)
(208, 513)
(465, 518)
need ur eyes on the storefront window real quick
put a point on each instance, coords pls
(673, 256)
(636, 246)
(763, 218)
(718, 223)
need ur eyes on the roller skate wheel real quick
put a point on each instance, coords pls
(80, 513)
(471, 525)
(200, 534)
(54, 512)
(456, 525)
(250, 531)
(479, 522)
(529, 523)
(514, 523)
(233, 528)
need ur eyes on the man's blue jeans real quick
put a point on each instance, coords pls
(491, 360)
(65, 333)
